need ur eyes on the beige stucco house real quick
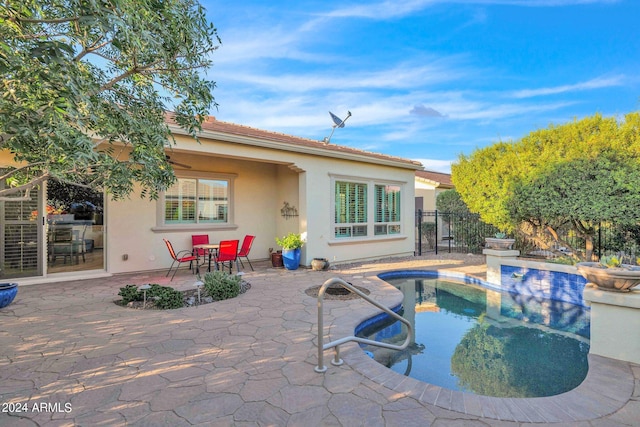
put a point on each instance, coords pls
(348, 204)
(428, 185)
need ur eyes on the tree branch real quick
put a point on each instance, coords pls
(26, 187)
(14, 171)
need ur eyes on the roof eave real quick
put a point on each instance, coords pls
(283, 146)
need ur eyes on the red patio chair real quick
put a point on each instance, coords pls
(180, 257)
(244, 250)
(200, 239)
(228, 252)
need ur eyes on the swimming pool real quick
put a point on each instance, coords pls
(482, 341)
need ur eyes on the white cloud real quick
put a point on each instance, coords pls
(597, 83)
(392, 9)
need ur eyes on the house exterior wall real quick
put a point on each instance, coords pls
(428, 194)
(320, 174)
(255, 204)
(263, 179)
(261, 188)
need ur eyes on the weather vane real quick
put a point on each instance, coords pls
(338, 123)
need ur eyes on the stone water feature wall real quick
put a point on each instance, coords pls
(615, 316)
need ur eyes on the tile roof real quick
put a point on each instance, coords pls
(444, 179)
(211, 124)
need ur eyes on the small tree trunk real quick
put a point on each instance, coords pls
(588, 247)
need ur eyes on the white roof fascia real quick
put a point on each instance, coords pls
(428, 181)
(283, 146)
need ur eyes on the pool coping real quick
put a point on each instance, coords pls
(608, 386)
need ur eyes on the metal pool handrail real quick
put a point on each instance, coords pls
(337, 361)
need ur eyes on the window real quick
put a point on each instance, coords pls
(356, 203)
(351, 209)
(197, 201)
(387, 209)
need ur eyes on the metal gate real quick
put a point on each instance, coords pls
(451, 232)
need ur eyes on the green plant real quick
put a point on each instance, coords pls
(130, 293)
(565, 260)
(165, 297)
(220, 285)
(290, 241)
(500, 235)
(610, 261)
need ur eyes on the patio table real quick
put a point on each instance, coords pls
(212, 250)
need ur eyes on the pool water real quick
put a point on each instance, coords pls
(481, 341)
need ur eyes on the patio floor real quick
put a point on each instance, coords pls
(70, 357)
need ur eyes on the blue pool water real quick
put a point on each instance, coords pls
(473, 339)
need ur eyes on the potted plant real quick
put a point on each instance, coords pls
(610, 274)
(499, 241)
(291, 244)
(8, 292)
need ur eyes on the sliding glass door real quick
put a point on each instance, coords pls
(61, 232)
(74, 224)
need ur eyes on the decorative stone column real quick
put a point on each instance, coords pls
(494, 258)
(615, 322)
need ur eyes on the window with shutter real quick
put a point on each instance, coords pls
(387, 209)
(357, 202)
(351, 209)
(197, 201)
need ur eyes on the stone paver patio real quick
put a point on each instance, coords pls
(70, 357)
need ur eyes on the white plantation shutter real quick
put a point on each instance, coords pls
(193, 200)
(19, 232)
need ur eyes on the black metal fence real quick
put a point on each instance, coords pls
(452, 232)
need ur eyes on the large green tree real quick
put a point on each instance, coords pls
(578, 195)
(573, 175)
(81, 75)
(449, 201)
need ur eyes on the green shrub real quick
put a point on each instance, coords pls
(220, 285)
(565, 260)
(167, 297)
(130, 293)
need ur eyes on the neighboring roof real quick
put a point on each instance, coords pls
(441, 179)
(231, 132)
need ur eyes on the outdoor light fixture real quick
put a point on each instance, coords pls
(144, 289)
(338, 123)
(198, 285)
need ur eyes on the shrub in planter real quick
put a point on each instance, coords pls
(165, 297)
(130, 293)
(220, 285)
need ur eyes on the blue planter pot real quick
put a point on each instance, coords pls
(291, 258)
(8, 292)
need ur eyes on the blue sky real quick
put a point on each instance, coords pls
(423, 79)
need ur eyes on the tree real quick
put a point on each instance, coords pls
(573, 175)
(579, 194)
(86, 85)
(463, 226)
(450, 201)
